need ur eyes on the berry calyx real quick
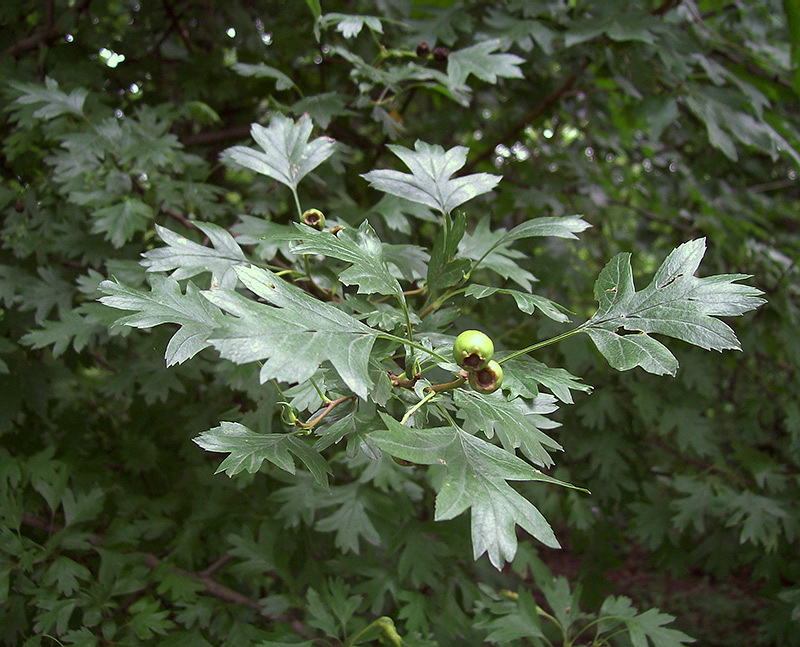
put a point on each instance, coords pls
(313, 218)
(473, 349)
(488, 379)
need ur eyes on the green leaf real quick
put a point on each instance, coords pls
(288, 155)
(349, 521)
(56, 102)
(487, 247)
(522, 622)
(350, 26)
(476, 476)
(676, 303)
(429, 182)
(511, 29)
(295, 337)
(479, 60)
(443, 269)
(362, 249)
(527, 303)
(189, 259)
(247, 450)
(355, 426)
(166, 304)
(792, 10)
(642, 627)
(74, 326)
(120, 221)
(516, 423)
(394, 210)
(314, 5)
(322, 108)
(264, 71)
(522, 376)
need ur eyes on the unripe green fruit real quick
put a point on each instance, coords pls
(488, 379)
(314, 218)
(473, 349)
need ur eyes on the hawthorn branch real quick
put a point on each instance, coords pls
(212, 587)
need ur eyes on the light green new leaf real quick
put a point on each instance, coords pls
(188, 258)
(362, 249)
(247, 450)
(429, 182)
(479, 60)
(294, 334)
(476, 476)
(517, 424)
(165, 303)
(527, 303)
(288, 155)
(676, 303)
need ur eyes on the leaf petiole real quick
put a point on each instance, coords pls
(547, 342)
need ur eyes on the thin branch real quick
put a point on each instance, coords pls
(215, 566)
(664, 7)
(214, 136)
(212, 587)
(47, 35)
(773, 186)
(515, 129)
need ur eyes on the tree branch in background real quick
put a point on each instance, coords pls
(51, 32)
(513, 131)
(212, 587)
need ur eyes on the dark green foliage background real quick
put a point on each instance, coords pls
(660, 122)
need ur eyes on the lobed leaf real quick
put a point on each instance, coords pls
(362, 249)
(165, 303)
(247, 450)
(430, 182)
(476, 476)
(287, 154)
(188, 258)
(294, 332)
(676, 303)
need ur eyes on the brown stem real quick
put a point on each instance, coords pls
(328, 408)
(449, 386)
(406, 293)
(215, 566)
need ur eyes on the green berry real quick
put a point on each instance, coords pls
(473, 349)
(487, 379)
(314, 218)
